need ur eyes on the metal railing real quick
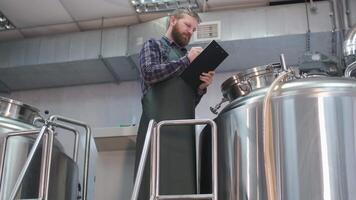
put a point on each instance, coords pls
(47, 132)
(153, 139)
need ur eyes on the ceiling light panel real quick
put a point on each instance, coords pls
(96, 9)
(32, 13)
(5, 23)
(149, 6)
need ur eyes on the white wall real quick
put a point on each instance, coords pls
(98, 105)
(114, 178)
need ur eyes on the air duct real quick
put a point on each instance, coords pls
(253, 36)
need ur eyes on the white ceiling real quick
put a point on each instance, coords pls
(45, 17)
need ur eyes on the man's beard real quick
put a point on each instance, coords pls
(179, 37)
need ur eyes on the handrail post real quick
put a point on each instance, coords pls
(143, 159)
(48, 164)
(153, 164)
(54, 118)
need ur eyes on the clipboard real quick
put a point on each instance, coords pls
(208, 60)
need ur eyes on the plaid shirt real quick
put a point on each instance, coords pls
(154, 64)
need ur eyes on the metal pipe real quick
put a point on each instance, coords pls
(38, 119)
(2, 167)
(87, 148)
(157, 155)
(312, 4)
(143, 159)
(205, 5)
(153, 163)
(27, 163)
(48, 163)
(333, 27)
(194, 196)
(283, 62)
(75, 132)
(307, 40)
(214, 161)
(350, 69)
(41, 187)
(348, 14)
(215, 109)
(76, 137)
(341, 17)
(339, 38)
(23, 133)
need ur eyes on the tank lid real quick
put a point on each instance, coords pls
(232, 81)
(261, 69)
(17, 110)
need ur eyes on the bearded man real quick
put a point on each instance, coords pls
(166, 96)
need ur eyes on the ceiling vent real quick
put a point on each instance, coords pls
(208, 31)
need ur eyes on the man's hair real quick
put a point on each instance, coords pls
(180, 12)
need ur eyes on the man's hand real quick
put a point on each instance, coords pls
(194, 52)
(207, 79)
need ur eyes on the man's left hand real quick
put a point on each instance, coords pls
(207, 79)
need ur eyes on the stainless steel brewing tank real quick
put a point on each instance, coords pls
(314, 120)
(16, 116)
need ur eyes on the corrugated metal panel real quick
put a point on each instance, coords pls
(31, 54)
(115, 42)
(64, 48)
(55, 75)
(270, 21)
(5, 55)
(65, 60)
(17, 54)
(85, 45)
(142, 32)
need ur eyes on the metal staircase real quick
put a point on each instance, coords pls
(153, 139)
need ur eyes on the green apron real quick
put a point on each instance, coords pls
(169, 100)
